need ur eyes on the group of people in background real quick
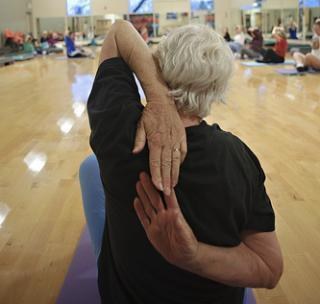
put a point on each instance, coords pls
(19, 42)
(310, 60)
(16, 42)
(251, 45)
(254, 47)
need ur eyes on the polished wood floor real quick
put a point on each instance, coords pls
(44, 136)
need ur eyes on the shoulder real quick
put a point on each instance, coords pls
(234, 149)
(224, 139)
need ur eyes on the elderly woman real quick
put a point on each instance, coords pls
(213, 234)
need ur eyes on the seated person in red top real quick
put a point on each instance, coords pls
(278, 53)
(222, 220)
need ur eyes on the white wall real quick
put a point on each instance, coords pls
(237, 4)
(280, 4)
(223, 15)
(49, 8)
(160, 6)
(103, 7)
(13, 15)
(52, 24)
(228, 14)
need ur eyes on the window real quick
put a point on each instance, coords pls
(310, 3)
(78, 7)
(202, 5)
(140, 6)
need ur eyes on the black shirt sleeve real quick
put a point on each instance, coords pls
(114, 109)
(260, 214)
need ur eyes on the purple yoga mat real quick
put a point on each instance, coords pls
(288, 72)
(292, 72)
(249, 297)
(80, 285)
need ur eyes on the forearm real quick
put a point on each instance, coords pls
(235, 266)
(125, 42)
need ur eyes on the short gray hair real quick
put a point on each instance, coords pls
(196, 63)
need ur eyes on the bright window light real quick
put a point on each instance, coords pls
(78, 7)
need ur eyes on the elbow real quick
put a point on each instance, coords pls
(275, 275)
(117, 25)
(121, 23)
(268, 275)
(272, 282)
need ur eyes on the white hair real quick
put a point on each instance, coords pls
(197, 64)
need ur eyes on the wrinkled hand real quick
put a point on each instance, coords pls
(166, 227)
(162, 127)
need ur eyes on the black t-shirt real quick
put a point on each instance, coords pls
(221, 193)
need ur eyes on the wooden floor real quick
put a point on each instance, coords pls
(40, 210)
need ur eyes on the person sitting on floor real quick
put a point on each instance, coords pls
(278, 53)
(28, 46)
(226, 35)
(293, 29)
(14, 40)
(255, 46)
(311, 60)
(44, 37)
(278, 27)
(72, 50)
(238, 40)
(53, 39)
(219, 215)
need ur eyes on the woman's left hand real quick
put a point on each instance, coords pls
(166, 227)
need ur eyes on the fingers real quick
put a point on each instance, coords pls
(171, 201)
(183, 149)
(151, 195)
(140, 140)
(147, 206)
(143, 218)
(155, 165)
(175, 168)
(151, 192)
(166, 162)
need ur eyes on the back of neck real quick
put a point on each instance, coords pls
(189, 121)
